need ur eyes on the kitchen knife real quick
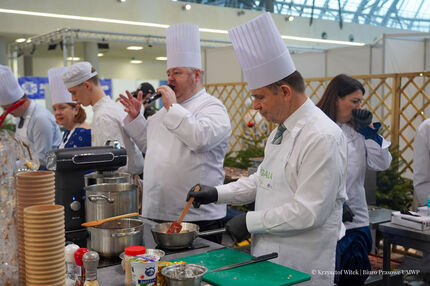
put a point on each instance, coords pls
(251, 261)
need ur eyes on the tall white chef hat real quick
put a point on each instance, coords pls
(183, 46)
(10, 91)
(261, 52)
(77, 74)
(59, 92)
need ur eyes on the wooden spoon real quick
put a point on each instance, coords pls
(100, 221)
(176, 226)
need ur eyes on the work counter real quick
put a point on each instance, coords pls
(113, 275)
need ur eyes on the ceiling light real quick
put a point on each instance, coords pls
(28, 41)
(186, 7)
(100, 54)
(161, 58)
(154, 25)
(135, 48)
(136, 61)
(290, 18)
(121, 1)
(74, 59)
(20, 40)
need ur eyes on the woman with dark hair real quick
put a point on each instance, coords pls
(341, 102)
(68, 113)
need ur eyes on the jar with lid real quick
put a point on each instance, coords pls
(69, 252)
(80, 270)
(130, 251)
(91, 261)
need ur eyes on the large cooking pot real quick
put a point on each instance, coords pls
(106, 178)
(110, 238)
(180, 240)
(108, 200)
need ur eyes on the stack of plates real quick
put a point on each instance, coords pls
(44, 245)
(32, 188)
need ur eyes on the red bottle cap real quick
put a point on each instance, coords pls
(78, 256)
(134, 250)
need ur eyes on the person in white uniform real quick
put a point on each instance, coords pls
(67, 112)
(299, 188)
(82, 82)
(35, 125)
(421, 166)
(341, 102)
(185, 142)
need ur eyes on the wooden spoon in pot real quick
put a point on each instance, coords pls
(100, 221)
(176, 226)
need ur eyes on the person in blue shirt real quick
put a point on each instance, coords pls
(68, 113)
(35, 125)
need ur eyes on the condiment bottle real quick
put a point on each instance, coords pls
(91, 261)
(131, 251)
(80, 270)
(69, 252)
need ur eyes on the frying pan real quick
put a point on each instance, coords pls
(184, 239)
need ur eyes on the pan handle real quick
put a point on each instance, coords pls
(210, 232)
(96, 198)
(121, 234)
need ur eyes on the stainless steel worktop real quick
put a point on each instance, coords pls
(113, 275)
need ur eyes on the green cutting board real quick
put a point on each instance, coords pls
(262, 273)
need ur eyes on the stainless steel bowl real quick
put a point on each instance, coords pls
(184, 274)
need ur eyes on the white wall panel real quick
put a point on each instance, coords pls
(349, 60)
(310, 64)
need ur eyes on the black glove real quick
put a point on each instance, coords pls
(347, 213)
(206, 195)
(362, 117)
(236, 227)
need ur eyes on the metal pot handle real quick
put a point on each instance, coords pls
(210, 232)
(95, 198)
(122, 234)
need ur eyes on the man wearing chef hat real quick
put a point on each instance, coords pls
(299, 187)
(82, 82)
(35, 125)
(67, 112)
(186, 141)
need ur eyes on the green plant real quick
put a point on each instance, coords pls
(254, 147)
(392, 190)
(8, 125)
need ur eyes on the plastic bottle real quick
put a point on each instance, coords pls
(80, 270)
(131, 251)
(91, 261)
(69, 252)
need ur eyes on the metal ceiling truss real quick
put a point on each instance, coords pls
(387, 13)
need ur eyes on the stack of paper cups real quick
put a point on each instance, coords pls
(44, 245)
(32, 188)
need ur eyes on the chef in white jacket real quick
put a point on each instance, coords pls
(35, 125)
(366, 150)
(185, 142)
(422, 179)
(299, 188)
(82, 82)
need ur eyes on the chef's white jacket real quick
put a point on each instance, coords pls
(107, 125)
(298, 189)
(362, 154)
(184, 146)
(422, 162)
(39, 131)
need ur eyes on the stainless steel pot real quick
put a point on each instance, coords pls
(184, 274)
(108, 200)
(180, 240)
(110, 238)
(106, 178)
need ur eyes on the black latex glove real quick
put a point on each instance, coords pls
(362, 117)
(236, 227)
(206, 195)
(347, 213)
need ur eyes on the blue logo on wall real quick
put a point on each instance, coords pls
(33, 86)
